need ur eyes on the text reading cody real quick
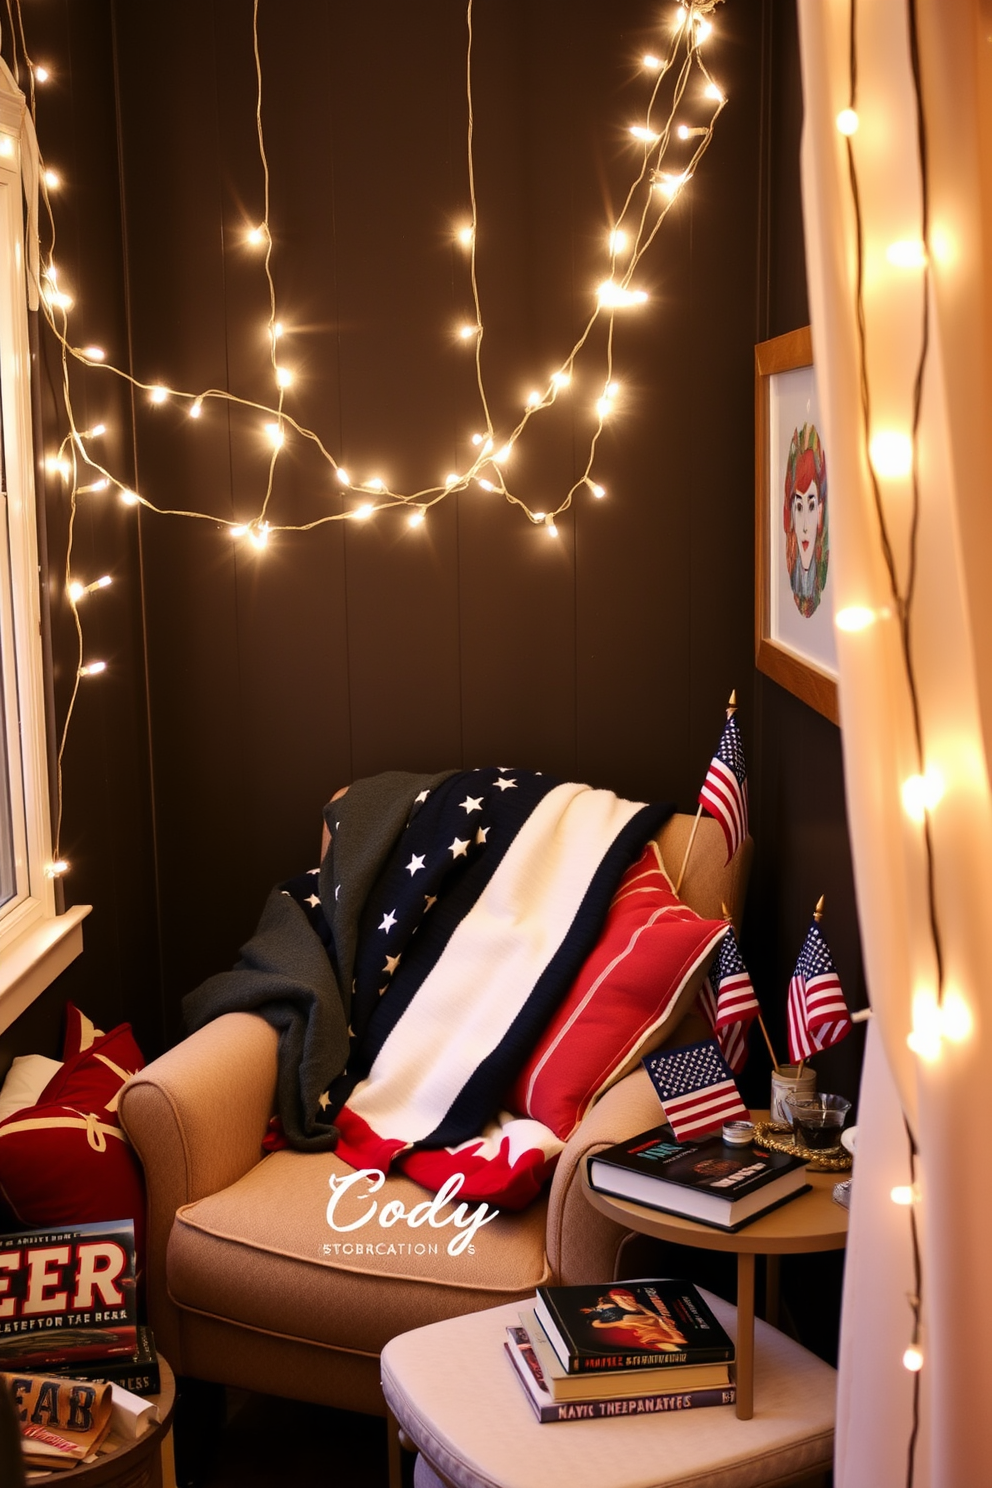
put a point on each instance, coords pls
(428, 1212)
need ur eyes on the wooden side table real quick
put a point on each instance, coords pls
(809, 1223)
(148, 1462)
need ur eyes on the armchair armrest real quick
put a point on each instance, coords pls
(197, 1115)
(196, 1118)
(583, 1245)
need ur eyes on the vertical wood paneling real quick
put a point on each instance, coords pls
(177, 285)
(106, 831)
(796, 778)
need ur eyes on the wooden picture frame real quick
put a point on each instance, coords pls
(794, 640)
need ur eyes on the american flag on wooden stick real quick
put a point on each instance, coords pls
(817, 1012)
(724, 791)
(728, 1001)
(696, 1088)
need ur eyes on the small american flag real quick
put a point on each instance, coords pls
(727, 999)
(696, 1089)
(724, 792)
(817, 1013)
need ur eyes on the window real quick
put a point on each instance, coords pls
(13, 846)
(35, 942)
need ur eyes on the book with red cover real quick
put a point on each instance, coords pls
(645, 1324)
(67, 1294)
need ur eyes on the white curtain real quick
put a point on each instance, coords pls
(925, 915)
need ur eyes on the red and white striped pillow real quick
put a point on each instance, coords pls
(652, 950)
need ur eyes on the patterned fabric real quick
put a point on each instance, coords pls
(625, 1000)
(476, 926)
(728, 1001)
(817, 1012)
(297, 982)
(724, 791)
(696, 1089)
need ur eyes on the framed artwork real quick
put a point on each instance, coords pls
(794, 613)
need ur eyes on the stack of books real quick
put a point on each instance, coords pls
(68, 1307)
(621, 1349)
(69, 1335)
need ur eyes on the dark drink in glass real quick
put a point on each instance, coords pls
(817, 1120)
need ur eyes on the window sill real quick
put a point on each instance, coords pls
(36, 958)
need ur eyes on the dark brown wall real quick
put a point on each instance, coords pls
(246, 688)
(608, 655)
(107, 824)
(797, 783)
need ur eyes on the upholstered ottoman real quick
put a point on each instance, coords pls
(454, 1393)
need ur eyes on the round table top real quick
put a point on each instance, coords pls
(810, 1222)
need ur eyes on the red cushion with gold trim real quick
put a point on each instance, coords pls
(66, 1160)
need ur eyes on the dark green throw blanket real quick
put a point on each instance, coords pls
(286, 975)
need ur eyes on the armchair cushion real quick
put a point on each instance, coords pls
(263, 1254)
(649, 961)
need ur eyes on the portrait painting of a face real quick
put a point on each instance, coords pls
(795, 581)
(804, 518)
(800, 590)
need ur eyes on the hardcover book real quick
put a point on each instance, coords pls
(137, 1372)
(546, 1407)
(628, 1325)
(709, 1181)
(67, 1295)
(614, 1383)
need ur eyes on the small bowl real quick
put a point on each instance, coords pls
(848, 1137)
(817, 1120)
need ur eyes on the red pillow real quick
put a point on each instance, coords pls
(80, 1033)
(66, 1160)
(652, 949)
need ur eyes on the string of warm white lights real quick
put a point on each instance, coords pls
(674, 122)
(893, 456)
(647, 203)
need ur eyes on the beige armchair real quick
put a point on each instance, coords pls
(248, 1285)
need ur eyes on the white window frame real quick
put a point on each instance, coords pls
(36, 943)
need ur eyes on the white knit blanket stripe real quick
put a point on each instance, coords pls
(466, 1004)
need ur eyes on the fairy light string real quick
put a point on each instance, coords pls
(473, 228)
(259, 529)
(661, 190)
(921, 793)
(919, 802)
(656, 185)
